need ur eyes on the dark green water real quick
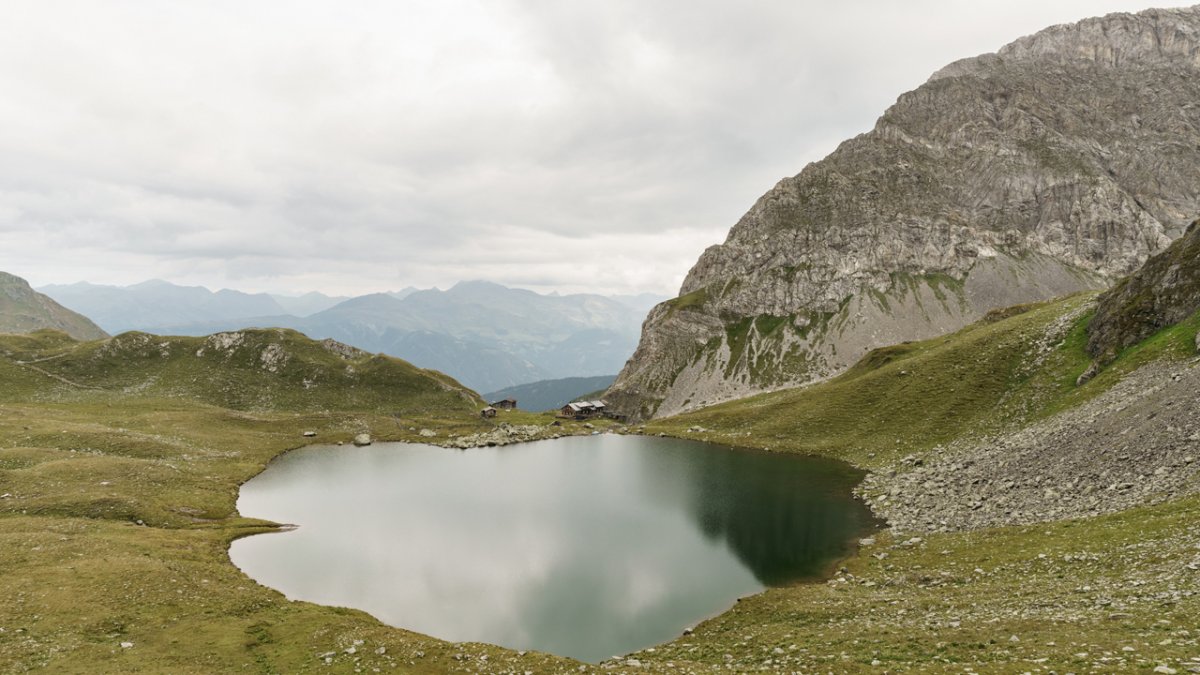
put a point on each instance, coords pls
(586, 547)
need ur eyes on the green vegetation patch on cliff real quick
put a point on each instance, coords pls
(689, 301)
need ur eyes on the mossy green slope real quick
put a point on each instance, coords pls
(119, 467)
(258, 369)
(89, 448)
(1016, 365)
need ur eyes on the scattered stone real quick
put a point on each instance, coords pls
(1128, 447)
(362, 439)
(126, 645)
(427, 433)
(309, 434)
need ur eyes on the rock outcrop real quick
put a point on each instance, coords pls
(1163, 293)
(1061, 162)
(24, 310)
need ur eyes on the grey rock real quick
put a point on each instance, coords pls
(995, 183)
(1117, 451)
(362, 439)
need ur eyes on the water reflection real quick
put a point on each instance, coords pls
(585, 547)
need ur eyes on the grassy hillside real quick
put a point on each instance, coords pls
(120, 461)
(260, 369)
(1016, 365)
(119, 467)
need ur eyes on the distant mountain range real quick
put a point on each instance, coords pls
(485, 335)
(551, 394)
(24, 310)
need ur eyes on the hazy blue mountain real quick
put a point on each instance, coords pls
(500, 336)
(307, 304)
(485, 335)
(154, 304)
(552, 394)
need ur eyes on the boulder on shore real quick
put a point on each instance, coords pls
(362, 439)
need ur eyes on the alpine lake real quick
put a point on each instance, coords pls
(586, 547)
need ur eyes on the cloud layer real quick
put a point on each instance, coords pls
(352, 147)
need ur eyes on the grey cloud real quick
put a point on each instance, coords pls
(292, 146)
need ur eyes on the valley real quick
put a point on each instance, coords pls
(987, 308)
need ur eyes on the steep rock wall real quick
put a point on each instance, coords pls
(1057, 164)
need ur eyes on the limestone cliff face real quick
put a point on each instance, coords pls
(1062, 161)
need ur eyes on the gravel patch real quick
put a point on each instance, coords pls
(1137, 444)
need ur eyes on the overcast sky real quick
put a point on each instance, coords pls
(351, 147)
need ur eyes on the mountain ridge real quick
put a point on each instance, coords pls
(485, 334)
(1005, 179)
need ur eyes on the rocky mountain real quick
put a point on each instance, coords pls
(24, 310)
(153, 305)
(1057, 164)
(1164, 292)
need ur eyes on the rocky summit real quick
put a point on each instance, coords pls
(1058, 164)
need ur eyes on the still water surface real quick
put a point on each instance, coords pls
(585, 547)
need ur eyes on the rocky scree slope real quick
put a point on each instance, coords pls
(1137, 443)
(24, 310)
(1059, 163)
